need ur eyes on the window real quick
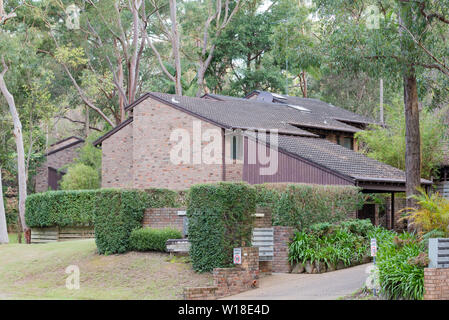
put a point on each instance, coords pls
(236, 147)
(346, 142)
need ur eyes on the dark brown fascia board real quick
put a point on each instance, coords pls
(389, 180)
(310, 162)
(111, 132)
(64, 147)
(64, 140)
(325, 128)
(136, 102)
(210, 96)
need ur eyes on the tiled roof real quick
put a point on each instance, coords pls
(234, 114)
(318, 107)
(339, 159)
(255, 114)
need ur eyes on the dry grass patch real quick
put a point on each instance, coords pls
(38, 272)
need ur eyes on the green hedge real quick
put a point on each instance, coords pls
(113, 212)
(147, 239)
(220, 219)
(302, 205)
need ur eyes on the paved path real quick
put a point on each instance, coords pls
(325, 286)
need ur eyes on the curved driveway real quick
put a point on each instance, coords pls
(325, 286)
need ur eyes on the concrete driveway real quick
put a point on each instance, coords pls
(325, 286)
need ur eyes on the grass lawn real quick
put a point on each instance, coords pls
(37, 271)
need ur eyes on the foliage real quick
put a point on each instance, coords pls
(147, 239)
(80, 177)
(432, 213)
(301, 205)
(401, 260)
(113, 212)
(88, 154)
(220, 219)
(387, 144)
(332, 243)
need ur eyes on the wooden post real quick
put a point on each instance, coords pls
(392, 212)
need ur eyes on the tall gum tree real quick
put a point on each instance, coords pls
(397, 40)
(18, 136)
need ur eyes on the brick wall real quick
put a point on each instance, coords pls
(436, 284)
(160, 218)
(265, 220)
(282, 237)
(55, 160)
(154, 123)
(230, 281)
(117, 159)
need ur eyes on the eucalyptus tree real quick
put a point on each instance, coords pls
(397, 40)
(243, 58)
(203, 24)
(4, 17)
(296, 38)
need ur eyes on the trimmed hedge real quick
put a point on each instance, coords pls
(220, 219)
(148, 239)
(302, 205)
(113, 212)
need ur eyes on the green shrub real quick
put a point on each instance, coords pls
(400, 263)
(147, 239)
(113, 212)
(361, 227)
(220, 219)
(302, 205)
(80, 177)
(116, 215)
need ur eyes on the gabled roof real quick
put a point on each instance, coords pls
(63, 144)
(318, 108)
(339, 159)
(235, 114)
(113, 131)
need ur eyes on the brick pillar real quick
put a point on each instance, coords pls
(282, 237)
(436, 284)
(250, 259)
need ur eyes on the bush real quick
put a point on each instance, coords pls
(361, 227)
(80, 177)
(147, 239)
(220, 219)
(113, 212)
(432, 213)
(329, 244)
(301, 205)
(401, 261)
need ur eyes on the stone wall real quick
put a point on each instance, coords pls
(436, 284)
(282, 237)
(230, 281)
(160, 218)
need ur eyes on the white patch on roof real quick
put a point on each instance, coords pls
(294, 106)
(278, 96)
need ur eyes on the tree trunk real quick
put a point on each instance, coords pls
(412, 136)
(175, 46)
(19, 144)
(3, 228)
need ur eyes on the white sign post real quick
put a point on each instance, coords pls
(237, 255)
(373, 254)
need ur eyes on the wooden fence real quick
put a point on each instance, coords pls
(44, 235)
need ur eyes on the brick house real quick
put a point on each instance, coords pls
(58, 155)
(310, 141)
